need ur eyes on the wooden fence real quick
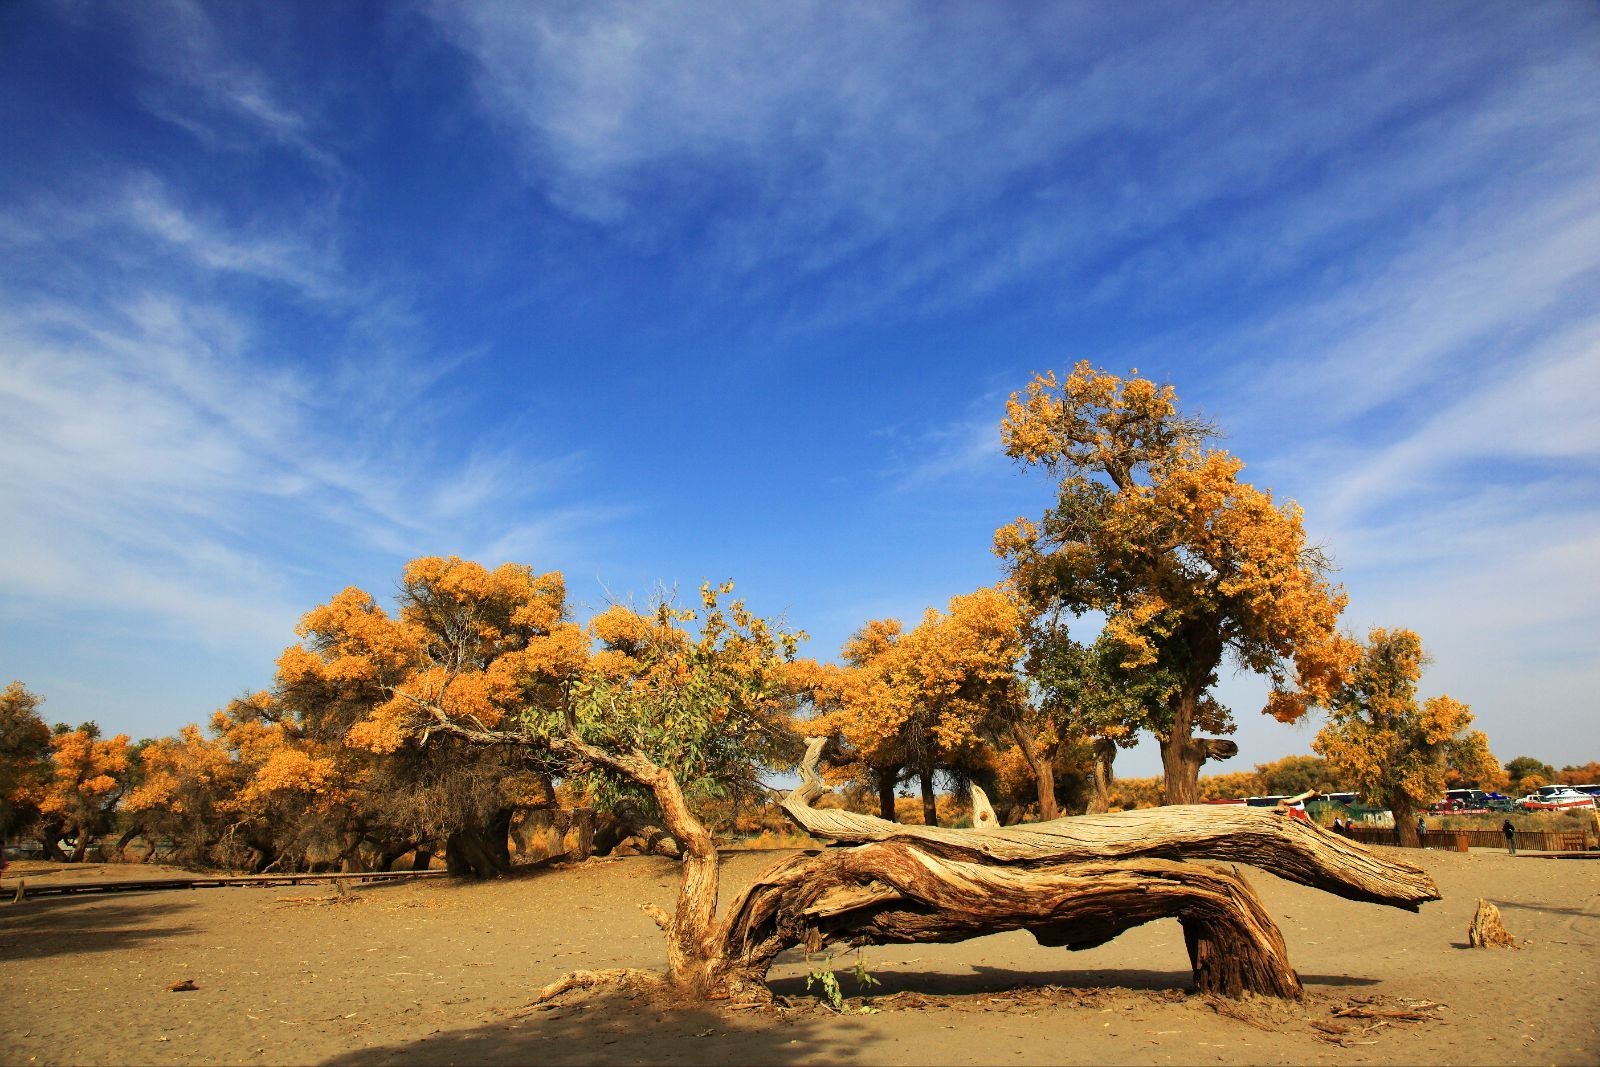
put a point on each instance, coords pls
(16, 891)
(1461, 840)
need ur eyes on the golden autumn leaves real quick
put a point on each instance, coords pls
(1153, 528)
(1188, 563)
(1386, 745)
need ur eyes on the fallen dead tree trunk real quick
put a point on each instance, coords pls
(894, 892)
(1074, 883)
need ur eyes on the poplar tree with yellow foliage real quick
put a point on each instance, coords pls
(24, 759)
(1190, 565)
(85, 783)
(920, 701)
(368, 698)
(1392, 750)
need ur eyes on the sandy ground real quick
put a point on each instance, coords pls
(439, 972)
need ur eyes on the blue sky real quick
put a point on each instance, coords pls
(656, 293)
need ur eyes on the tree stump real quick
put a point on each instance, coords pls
(1486, 930)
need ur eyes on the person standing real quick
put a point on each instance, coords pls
(1511, 837)
(1422, 832)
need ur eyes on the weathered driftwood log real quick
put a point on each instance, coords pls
(1275, 842)
(896, 892)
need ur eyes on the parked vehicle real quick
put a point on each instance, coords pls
(1297, 809)
(1557, 799)
(1467, 799)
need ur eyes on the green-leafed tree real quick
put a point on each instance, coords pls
(1293, 775)
(1523, 769)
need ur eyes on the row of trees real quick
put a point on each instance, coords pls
(480, 696)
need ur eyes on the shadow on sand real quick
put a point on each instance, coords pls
(67, 925)
(620, 1030)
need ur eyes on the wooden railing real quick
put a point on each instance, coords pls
(1461, 840)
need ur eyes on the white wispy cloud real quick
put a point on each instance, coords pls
(168, 461)
(904, 163)
(208, 85)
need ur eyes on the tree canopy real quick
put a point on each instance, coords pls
(24, 758)
(915, 702)
(1188, 563)
(1389, 747)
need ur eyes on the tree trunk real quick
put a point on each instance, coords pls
(1290, 848)
(350, 858)
(498, 837)
(390, 854)
(1180, 757)
(583, 820)
(886, 782)
(422, 858)
(1073, 883)
(1042, 765)
(1105, 755)
(80, 845)
(467, 854)
(930, 801)
(125, 840)
(1181, 754)
(694, 967)
(1405, 822)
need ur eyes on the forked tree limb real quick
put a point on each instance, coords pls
(1287, 847)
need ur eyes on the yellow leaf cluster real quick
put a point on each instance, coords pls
(921, 697)
(87, 772)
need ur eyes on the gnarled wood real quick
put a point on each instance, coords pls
(897, 892)
(1287, 847)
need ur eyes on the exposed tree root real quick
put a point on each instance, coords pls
(624, 979)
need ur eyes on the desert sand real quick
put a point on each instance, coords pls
(445, 972)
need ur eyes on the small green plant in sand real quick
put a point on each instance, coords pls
(821, 974)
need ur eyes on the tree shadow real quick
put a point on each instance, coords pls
(618, 1029)
(66, 926)
(981, 979)
(1582, 913)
